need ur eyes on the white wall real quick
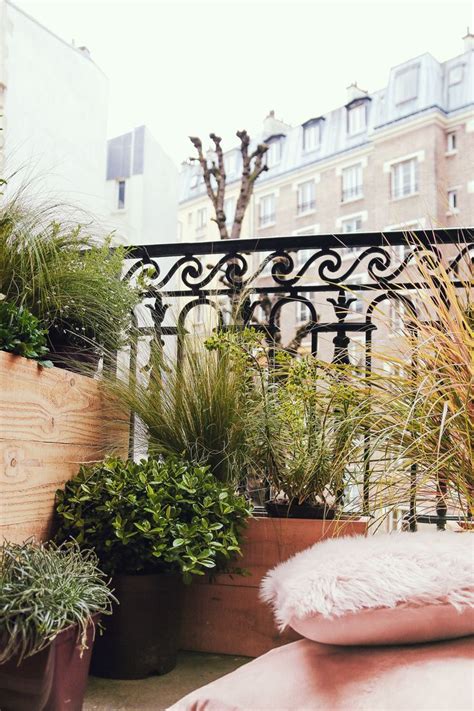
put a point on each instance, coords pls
(151, 199)
(55, 113)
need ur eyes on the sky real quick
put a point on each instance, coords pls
(189, 68)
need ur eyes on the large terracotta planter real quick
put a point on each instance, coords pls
(55, 679)
(141, 636)
(224, 614)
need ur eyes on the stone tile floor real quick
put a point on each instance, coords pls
(156, 693)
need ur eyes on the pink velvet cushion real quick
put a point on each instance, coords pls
(306, 676)
(384, 589)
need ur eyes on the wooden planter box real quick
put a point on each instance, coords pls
(51, 421)
(225, 615)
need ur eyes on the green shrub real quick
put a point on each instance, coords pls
(20, 333)
(152, 516)
(70, 280)
(44, 589)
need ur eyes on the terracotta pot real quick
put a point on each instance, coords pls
(294, 510)
(142, 635)
(54, 679)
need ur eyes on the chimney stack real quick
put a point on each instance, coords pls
(355, 92)
(468, 41)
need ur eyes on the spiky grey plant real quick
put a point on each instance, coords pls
(45, 588)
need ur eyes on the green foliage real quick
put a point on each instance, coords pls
(198, 409)
(152, 516)
(307, 433)
(20, 333)
(67, 278)
(44, 589)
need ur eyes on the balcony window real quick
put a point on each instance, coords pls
(311, 136)
(201, 221)
(356, 119)
(306, 197)
(229, 209)
(266, 211)
(404, 178)
(120, 194)
(352, 186)
(353, 224)
(406, 85)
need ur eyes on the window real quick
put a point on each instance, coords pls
(201, 218)
(274, 153)
(306, 197)
(406, 85)
(356, 119)
(455, 75)
(311, 136)
(353, 224)
(396, 313)
(230, 164)
(404, 178)
(453, 200)
(194, 181)
(121, 194)
(266, 211)
(229, 209)
(352, 183)
(451, 142)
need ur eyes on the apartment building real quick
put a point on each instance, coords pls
(398, 158)
(402, 156)
(53, 115)
(141, 189)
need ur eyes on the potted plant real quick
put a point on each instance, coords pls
(21, 334)
(153, 524)
(305, 432)
(50, 600)
(69, 279)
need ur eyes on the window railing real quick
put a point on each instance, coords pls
(355, 191)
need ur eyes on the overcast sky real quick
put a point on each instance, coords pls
(193, 67)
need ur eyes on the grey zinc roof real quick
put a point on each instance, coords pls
(434, 93)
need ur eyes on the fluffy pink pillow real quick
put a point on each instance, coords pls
(385, 589)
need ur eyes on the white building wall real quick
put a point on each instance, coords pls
(55, 113)
(149, 215)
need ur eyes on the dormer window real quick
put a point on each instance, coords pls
(230, 164)
(356, 118)
(273, 155)
(194, 181)
(406, 84)
(312, 135)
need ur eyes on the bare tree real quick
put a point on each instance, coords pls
(213, 172)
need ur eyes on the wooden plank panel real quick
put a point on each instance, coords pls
(30, 474)
(229, 620)
(54, 405)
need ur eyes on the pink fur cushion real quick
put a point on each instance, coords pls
(385, 589)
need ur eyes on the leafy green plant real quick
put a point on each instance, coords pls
(152, 516)
(306, 433)
(44, 589)
(70, 280)
(20, 333)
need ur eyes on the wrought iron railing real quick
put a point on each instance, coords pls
(266, 277)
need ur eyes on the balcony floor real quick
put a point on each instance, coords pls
(158, 692)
